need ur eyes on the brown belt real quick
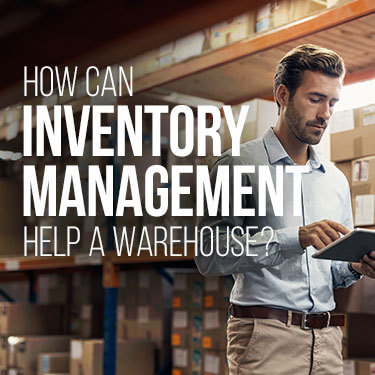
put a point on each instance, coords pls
(304, 320)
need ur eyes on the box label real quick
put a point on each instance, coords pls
(12, 265)
(176, 339)
(349, 367)
(180, 357)
(357, 171)
(176, 302)
(120, 312)
(180, 319)
(342, 121)
(211, 284)
(208, 301)
(45, 363)
(207, 342)
(365, 166)
(86, 312)
(76, 350)
(212, 364)
(369, 120)
(365, 209)
(143, 314)
(211, 319)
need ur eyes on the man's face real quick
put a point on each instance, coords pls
(308, 113)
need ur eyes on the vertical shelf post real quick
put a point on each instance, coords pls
(110, 284)
(111, 272)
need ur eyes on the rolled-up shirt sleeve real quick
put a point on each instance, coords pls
(230, 250)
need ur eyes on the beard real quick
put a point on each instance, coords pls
(301, 129)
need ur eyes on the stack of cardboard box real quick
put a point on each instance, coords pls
(144, 310)
(353, 151)
(86, 307)
(23, 351)
(215, 316)
(200, 309)
(27, 330)
(187, 327)
(133, 357)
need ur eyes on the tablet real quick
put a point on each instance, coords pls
(351, 247)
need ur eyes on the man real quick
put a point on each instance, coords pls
(282, 298)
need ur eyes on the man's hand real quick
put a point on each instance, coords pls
(320, 234)
(367, 265)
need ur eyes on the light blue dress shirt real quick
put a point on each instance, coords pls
(288, 277)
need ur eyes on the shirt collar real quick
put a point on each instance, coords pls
(276, 152)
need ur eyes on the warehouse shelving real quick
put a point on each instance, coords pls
(33, 263)
(347, 28)
(343, 28)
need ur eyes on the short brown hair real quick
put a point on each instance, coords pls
(291, 67)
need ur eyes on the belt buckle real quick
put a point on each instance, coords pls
(304, 321)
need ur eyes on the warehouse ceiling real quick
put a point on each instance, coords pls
(84, 33)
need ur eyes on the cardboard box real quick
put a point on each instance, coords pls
(180, 328)
(87, 288)
(358, 339)
(359, 366)
(153, 289)
(232, 30)
(88, 321)
(86, 357)
(188, 291)
(54, 289)
(214, 362)
(181, 359)
(189, 46)
(153, 329)
(53, 363)
(272, 15)
(217, 292)
(24, 350)
(356, 143)
(30, 319)
(181, 291)
(214, 329)
(304, 8)
(260, 116)
(358, 298)
(187, 328)
(363, 190)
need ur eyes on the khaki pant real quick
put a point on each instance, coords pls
(270, 347)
